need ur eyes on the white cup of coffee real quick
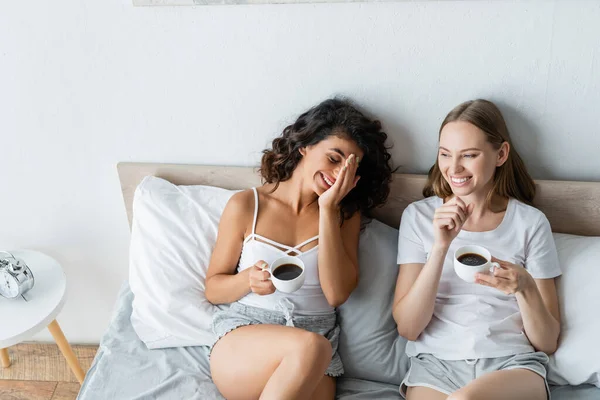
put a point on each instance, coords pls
(471, 260)
(287, 273)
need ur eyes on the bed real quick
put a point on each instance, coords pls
(125, 369)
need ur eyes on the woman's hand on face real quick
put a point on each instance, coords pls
(344, 183)
(509, 278)
(259, 279)
(449, 220)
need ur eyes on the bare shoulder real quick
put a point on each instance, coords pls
(240, 207)
(243, 200)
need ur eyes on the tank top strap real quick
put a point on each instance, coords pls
(255, 211)
(299, 246)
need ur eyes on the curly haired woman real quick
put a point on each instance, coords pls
(322, 173)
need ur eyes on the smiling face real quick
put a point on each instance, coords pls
(322, 162)
(467, 160)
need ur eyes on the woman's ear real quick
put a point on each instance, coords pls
(302, 151)
(503, 154)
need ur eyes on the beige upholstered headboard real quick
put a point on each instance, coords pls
(572, 207)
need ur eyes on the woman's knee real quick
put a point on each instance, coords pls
(314, 346)
(462, 395)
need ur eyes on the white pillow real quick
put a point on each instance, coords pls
(577, 359)
(173, 233)
(370, 346)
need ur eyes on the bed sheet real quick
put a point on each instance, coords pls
(124, 369)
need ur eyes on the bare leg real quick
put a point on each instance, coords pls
(5, 358)
(325, 390)
(269, 362)
(513, 384)
(424, 393)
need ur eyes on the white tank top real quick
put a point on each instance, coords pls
(309, 299)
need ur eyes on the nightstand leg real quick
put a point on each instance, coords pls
(66, 349)
(5, 358)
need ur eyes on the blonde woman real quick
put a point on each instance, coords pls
(488, 339)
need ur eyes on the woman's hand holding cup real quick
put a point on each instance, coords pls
(285, 274)
(260, 279)
(508, 278)
(449, 220)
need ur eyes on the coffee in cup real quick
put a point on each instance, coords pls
(471, 260)
(287, 273)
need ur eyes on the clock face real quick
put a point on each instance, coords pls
(9, 287)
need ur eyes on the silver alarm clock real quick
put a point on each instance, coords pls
(16, 278)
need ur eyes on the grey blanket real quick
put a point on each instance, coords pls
(124, 369)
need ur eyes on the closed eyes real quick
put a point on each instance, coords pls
(445, 155)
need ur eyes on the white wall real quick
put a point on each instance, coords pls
(85, 84)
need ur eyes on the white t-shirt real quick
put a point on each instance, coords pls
(471, 320)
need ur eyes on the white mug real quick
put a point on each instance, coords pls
(286, 286)
(467, 272)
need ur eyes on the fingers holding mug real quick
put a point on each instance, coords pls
(260, 279)
(497, 270)
(260, 271)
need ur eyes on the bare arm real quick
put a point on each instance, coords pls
(338, 255)
(338, 245)
(416, 290)
(541, 316)
(417, 284)
(223, 285)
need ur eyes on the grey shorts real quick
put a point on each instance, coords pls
(447, 376)
(239, 315)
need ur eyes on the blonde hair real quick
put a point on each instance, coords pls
(511, 179)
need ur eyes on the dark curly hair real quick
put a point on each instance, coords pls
(335, 117)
